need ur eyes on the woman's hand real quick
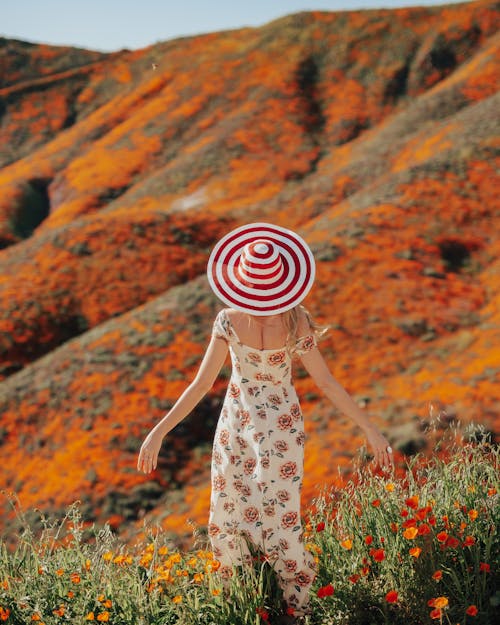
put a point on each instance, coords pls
(382, 451)
(148, 455)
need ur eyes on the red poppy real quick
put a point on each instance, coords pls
(452, 542)
(391, 596)
(377, 554)
(424, 529)
(412, 502)
(471, 610)
(325, 591)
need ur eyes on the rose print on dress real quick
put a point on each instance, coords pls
(219, 483)
(234, 390)
(254, 357)
(302, 578)
(285, 422)
(277, 358)
(281, 446)
(224, 437)
(244, 417)
(295, 412)
(251, 514)
(265, 462)
(249, 466)
(264, 377)
(217, 458)
(289, 519)
(274, 399)
(283, 495)
(305, 344)
(213, 529)
(242, 442)
(288, 470)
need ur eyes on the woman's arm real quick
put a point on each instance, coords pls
(317, 368)
(207, 373)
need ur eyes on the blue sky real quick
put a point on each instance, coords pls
(114, 24)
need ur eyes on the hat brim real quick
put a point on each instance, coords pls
(261, 300)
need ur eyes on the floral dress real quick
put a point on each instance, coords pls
(257, 466)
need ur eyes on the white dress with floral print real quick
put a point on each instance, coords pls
(257, 465)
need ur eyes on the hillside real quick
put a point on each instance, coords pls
(373, 133)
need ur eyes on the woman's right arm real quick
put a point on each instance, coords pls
(207, 374)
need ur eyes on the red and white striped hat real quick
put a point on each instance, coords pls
(261, 269)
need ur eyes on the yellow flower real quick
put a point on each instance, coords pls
(90, 616)
(146, 560)
(390, 487)
(108, 556)
(60, 572)
(347, 544)
(212, 566)
(163, 551)
(440, 602)
(177, 599)
(415, 551)
(123, 559)
(103, 617)
(198, 578)
(216, 592)
(410, 533)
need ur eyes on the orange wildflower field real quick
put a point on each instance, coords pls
(374, 134)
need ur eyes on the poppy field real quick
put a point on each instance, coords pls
(418, 547)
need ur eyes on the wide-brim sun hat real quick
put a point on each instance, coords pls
(261, 269)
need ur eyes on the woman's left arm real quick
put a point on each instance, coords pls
(317, 368)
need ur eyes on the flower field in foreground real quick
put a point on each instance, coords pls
(418, 549)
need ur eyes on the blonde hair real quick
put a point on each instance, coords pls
(291, 323)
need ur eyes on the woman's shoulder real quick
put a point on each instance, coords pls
(224, 322)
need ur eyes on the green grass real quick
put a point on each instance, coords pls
(444, 509)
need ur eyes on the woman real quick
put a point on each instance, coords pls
(262, 272)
